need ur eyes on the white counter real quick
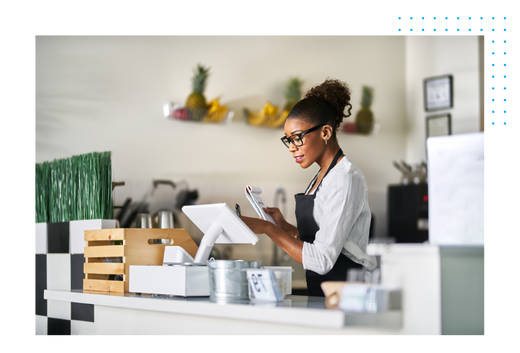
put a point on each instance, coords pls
(146, 314)
(442, 293)
(442, 286)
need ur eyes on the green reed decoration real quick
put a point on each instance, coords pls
(43, 173)
(75, 188)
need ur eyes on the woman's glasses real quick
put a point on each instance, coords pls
(296, 139)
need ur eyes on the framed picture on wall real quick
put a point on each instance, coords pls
(438, 93)
(438, 125)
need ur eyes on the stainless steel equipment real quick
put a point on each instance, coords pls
(165, 219)
(130, 210)
(227, 281)
(416, 174)
(280, 196)
(143, 220)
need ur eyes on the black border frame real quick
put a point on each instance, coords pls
(438, 116)
(425, 95)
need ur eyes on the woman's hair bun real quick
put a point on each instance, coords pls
(324, 104)
(336, 93)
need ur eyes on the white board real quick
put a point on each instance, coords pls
(456, 189)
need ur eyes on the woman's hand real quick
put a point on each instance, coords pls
(282, 237)
(257, 225)
(277, 216)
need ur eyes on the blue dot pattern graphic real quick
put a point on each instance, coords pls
(469, 25)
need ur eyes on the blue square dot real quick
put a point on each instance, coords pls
(504, 53)
(493, 100)
(399, 29)
(504, 88)
(399, 17)
(493, 111)
(504, 64)
(411, 29)
(446, 18)
(493, 18)
(504, 76)
(504, 111)
(492, 41)
(504, 29)
(504, 41)
(493, 87)
(470, 29)
(481, 18)
(504, 18)
(446, 29)
(423, 18)
(434, 30)
(423, 29)
(457, 29)
(492, 64)
(493, 123)
(504, 122)
(493, 53)
(435, 18)
(411, 18)
(470, 18)
(504, 100)
(493, 76)
(493, 29)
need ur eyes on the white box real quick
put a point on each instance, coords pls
(179, 280)
(284, 275)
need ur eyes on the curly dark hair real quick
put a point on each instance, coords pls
(324, 104)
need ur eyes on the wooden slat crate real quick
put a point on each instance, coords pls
(137, 248)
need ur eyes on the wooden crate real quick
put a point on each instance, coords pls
(137, 248)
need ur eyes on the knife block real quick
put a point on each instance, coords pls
(132, 246)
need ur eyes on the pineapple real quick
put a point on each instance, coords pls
(293, 92)
(365, 117)
(196, 99)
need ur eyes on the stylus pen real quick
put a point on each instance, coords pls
(237, 209)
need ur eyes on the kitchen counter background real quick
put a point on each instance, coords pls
(107, 93)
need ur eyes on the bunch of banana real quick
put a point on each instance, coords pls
(268, 116)
(216, 112)
(279, 120)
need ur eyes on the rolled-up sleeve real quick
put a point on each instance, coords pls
(337, 208)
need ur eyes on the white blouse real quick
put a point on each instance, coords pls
(342, 213)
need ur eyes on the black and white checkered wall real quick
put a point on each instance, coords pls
(59, 266)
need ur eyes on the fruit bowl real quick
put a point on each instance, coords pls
(213, 113)
(353, 128)
(270, 116)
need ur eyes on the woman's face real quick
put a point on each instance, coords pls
(313, 143)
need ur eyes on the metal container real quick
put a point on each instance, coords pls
(144, 220)
(165, 220)
(227, 281)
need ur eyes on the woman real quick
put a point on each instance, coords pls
(333, 217)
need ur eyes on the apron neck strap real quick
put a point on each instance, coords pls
(332, 164)
(334, 161)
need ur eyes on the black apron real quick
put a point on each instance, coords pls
(307, 229)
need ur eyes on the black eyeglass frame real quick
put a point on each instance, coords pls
(288, 140)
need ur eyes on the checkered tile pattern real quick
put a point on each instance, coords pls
(59, 266)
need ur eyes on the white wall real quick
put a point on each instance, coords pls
(107, 93)
(436, 56)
